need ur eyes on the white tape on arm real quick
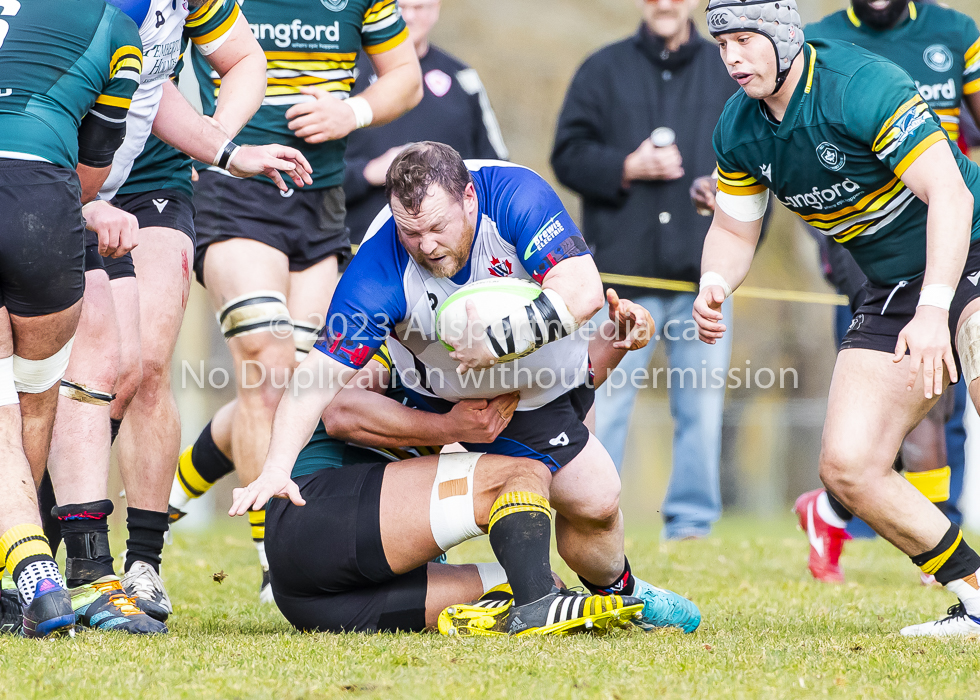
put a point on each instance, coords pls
(746, 208)
(363, 114)
(940, 295)
(713, 279)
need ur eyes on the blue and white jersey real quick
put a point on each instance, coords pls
(522, 232)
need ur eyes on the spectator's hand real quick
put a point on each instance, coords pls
(651, 163)
(703, 195)
(327, 119)
(269, 160)
(707, 314)
(377, 168)
(480, 421)
(634, 324)
(117, 229)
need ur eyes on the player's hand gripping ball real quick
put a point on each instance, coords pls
(501, 306)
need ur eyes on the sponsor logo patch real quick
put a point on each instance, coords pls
(334, 5)
(501, 268)
(542, 238)
(938, 57)
(830, 156)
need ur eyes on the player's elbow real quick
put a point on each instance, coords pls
(340, 421)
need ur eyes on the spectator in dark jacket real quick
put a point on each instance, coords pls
(638, 218)
(454, 110)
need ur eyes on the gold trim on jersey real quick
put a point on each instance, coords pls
(741, 184)
(111, 101)
(933, 138)
(126, 57)
(205, 12)
(305, 65)
(971, 87)
(221, 29)
(852, 221)
(950, 119)
(972, 58)
(387, 45)
(379, 10)
(813, 64)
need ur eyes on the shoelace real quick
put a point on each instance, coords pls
(957, 612)
(117, 596)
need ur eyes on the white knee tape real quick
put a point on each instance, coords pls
(8, 392)
(451, 514)
(304, 338)
(37, 376)
(968, 347)
(491, 575)
(256, 312)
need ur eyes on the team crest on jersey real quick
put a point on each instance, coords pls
(334, 5)
(500, 268)
(830, 156)
(938, 57)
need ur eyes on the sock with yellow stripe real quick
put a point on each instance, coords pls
(256, 519)
(951, 559)
(200, 467)
(520, 535)
(27, 554)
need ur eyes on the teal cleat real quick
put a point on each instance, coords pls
(663, 608)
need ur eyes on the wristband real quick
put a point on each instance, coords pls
(363, 114)
(713, 279)
(225, 154)
(940, 295)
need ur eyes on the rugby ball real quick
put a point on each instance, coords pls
(494, 300)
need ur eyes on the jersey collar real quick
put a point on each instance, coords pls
(913, 15)
(800, 93)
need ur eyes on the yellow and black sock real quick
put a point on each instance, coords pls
(949, 560)
(256, 518)
(24, 550)
(199, 468)
(520, 535)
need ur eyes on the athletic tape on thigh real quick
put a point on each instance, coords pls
(82, 393)
(255, 312)
(491, 575)
(37, 376)
(8, 392)
(968, 348)
(304, 337)
(451, 514)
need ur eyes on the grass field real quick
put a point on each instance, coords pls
(768, 632)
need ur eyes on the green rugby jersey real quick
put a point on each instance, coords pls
(325, 452)
(308, 43)
(160, 166)
(59, 60)
(937, 46)
(854, 125)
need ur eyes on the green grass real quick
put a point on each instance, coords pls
(768, 632)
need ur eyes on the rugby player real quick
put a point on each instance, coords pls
(269, 259)
(844, 139)
(79, 462)
(67, 80)
(446, 226)
(940, 49)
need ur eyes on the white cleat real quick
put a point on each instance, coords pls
(958, 623)
(146, 588)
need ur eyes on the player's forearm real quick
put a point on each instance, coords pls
(948, 230)
(178, 124)
(604, 357)
(316, 382)
(399, 85)
(727, 254)
(91, 180)
(242, 91)
(373, 420)
(576, 281)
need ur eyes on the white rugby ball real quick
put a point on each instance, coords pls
(494, 299)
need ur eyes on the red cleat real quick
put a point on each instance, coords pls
(826, 540)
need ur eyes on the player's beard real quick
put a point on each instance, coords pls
(879, 19)
(455, 257)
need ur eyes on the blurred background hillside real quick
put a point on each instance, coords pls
(526, 52)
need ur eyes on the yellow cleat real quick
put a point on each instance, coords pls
(481, 618)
